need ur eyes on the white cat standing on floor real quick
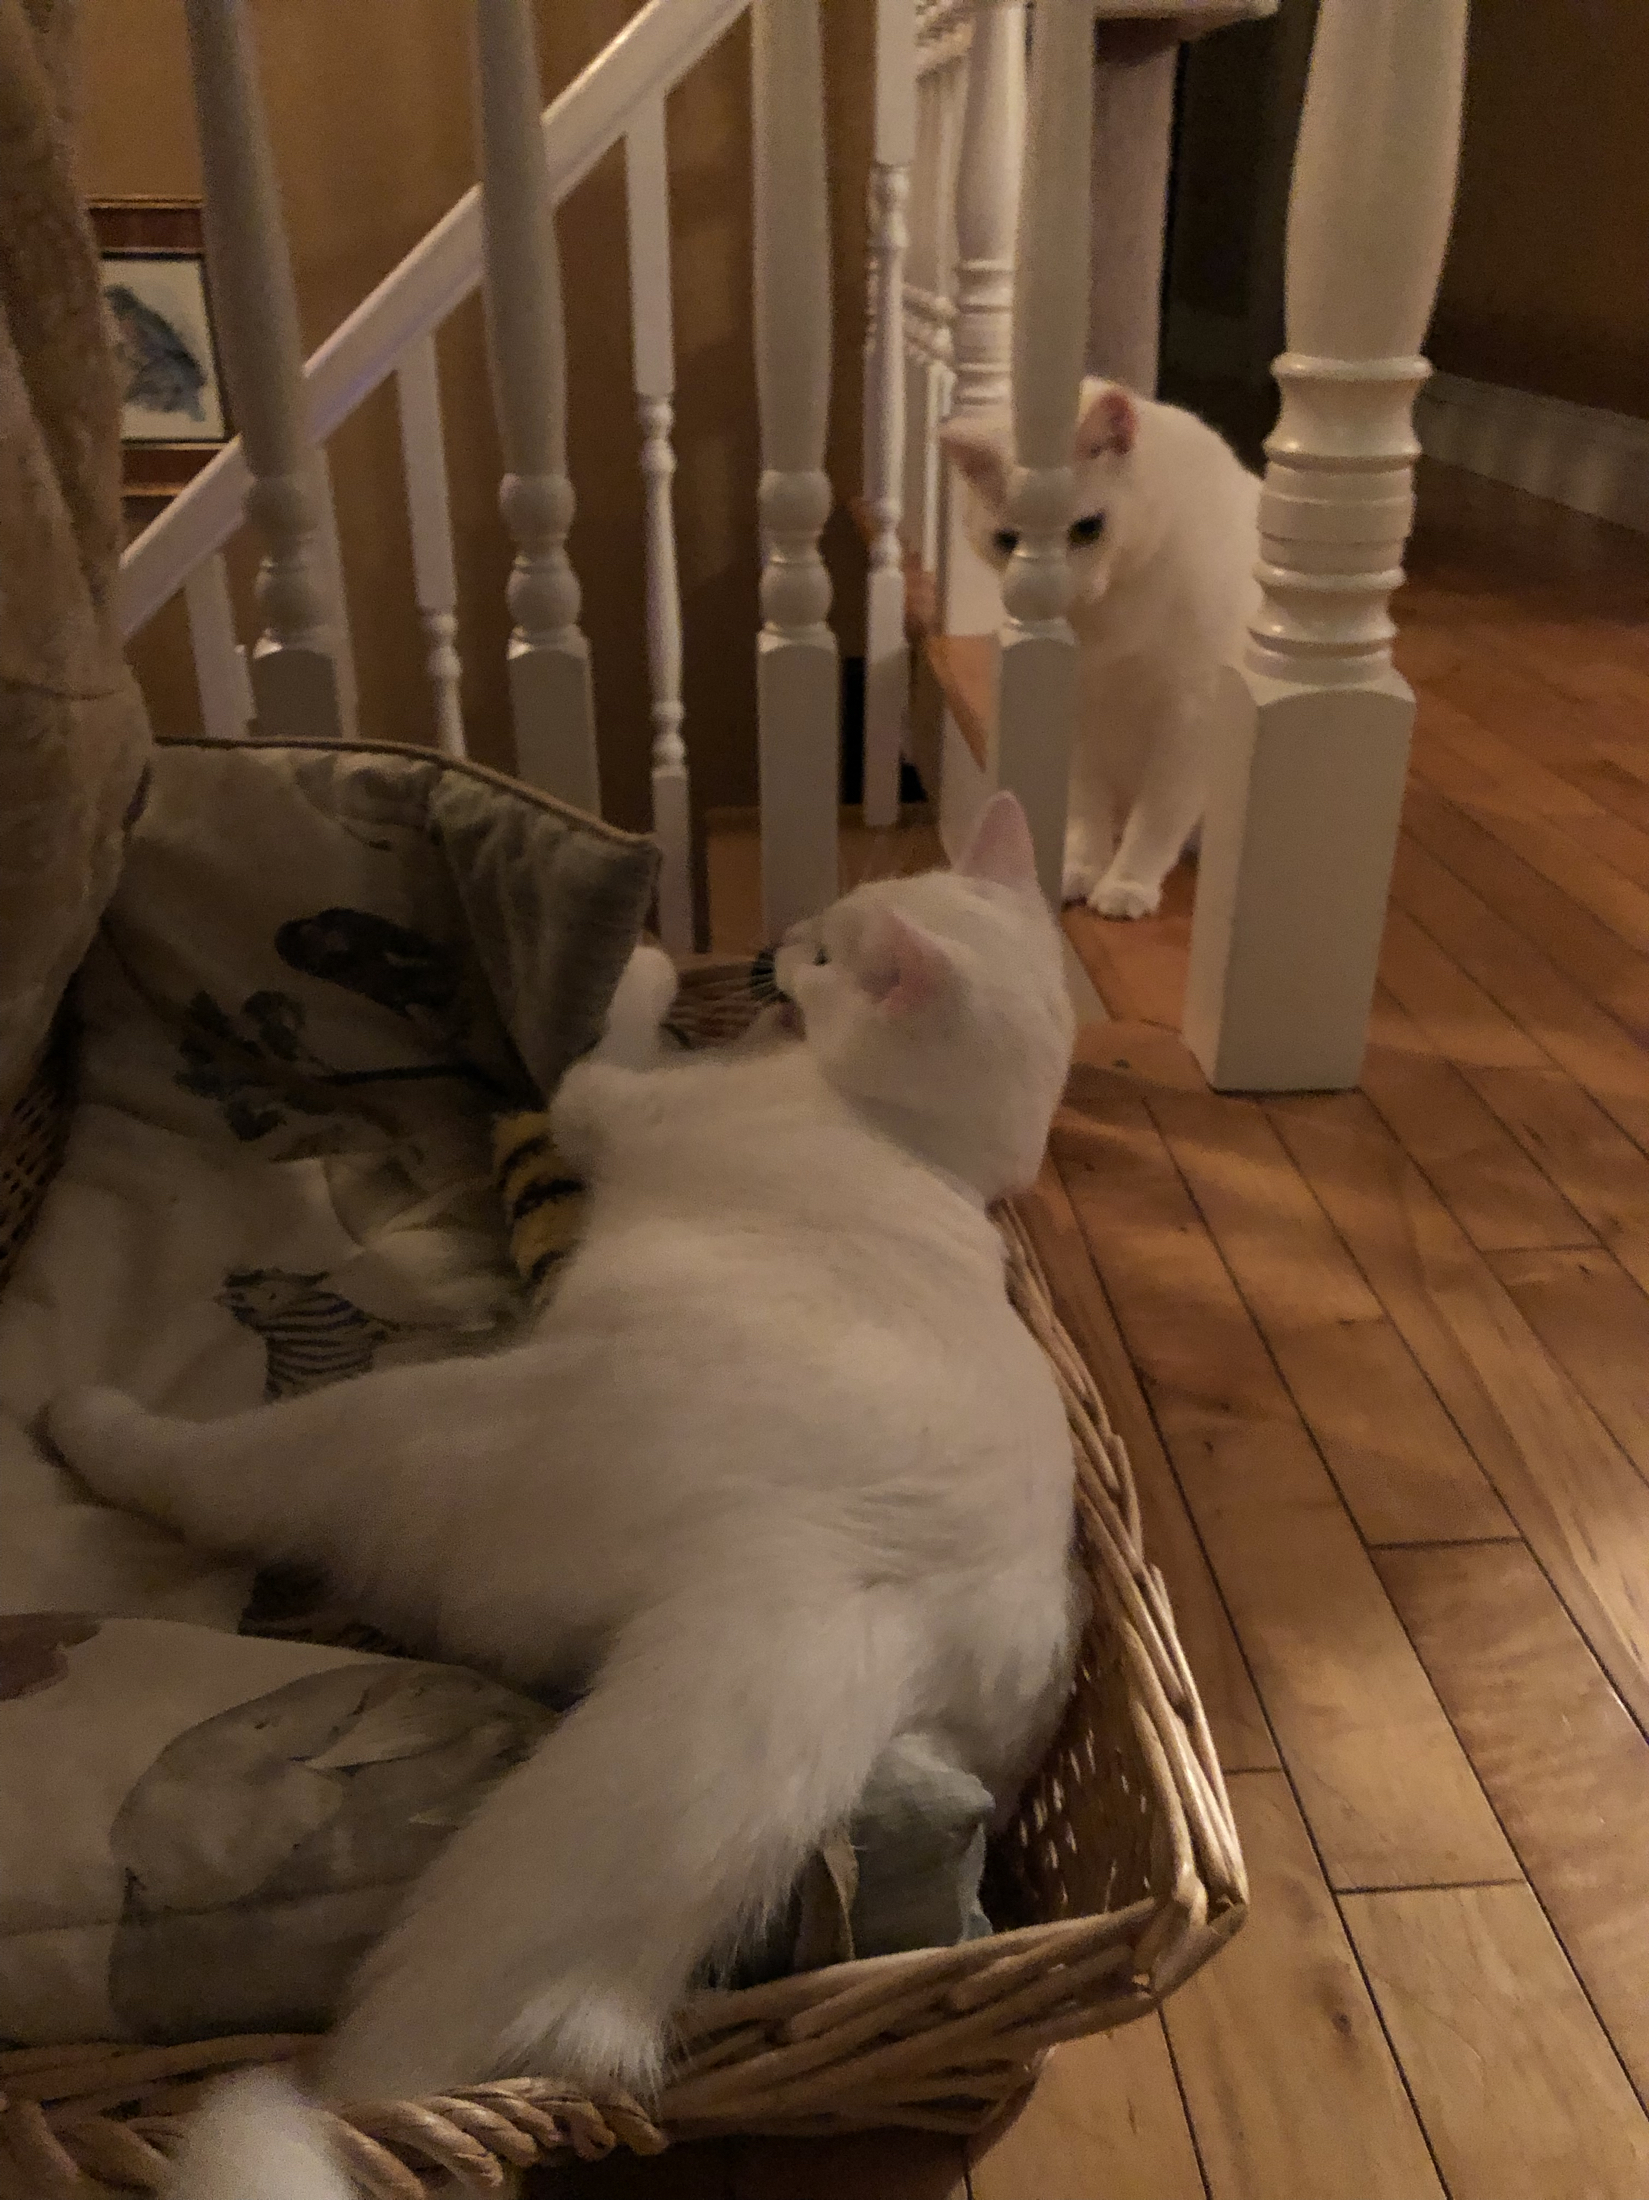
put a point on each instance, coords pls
(777, 1463)
(1163, 550)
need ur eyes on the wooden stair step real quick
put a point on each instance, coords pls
(964, 669)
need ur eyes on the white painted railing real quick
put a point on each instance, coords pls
(978, 298)
(1302, 824)
(549, 659)
(1297, 846)
(301, 679)
(295, 660)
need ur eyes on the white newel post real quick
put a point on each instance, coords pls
(1036, 695)
(647, 188)
(887, 662)
(294, 677)
(549, 658)
(1303, 817)
(989, 165)
(797, 675)
(424, 466)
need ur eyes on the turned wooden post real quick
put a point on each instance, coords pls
(647, 190)
(930, 266)
(797, 673)
(1303, 815)
(295, 679)
(424, 468)
(226, 705)
(549, 658)
(887, 661)
(1036, 693)
(990, 164)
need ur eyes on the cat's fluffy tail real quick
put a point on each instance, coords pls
(254, 2139)
(731, 1728)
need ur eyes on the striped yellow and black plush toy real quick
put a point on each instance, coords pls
(544, 1206)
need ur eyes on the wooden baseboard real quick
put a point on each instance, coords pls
(1580, 455)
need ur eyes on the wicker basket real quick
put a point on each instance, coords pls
(1120, 1875)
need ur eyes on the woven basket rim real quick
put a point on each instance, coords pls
(941, 2037)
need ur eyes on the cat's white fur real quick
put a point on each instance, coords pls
(1160, 601)
(778, 1463)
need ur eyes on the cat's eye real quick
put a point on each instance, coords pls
(1005, 541)
(821, 955)
(1087, 530)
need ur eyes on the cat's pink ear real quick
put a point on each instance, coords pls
(979, 455)
(1000, 850)
(906, 969)
(1110, 422)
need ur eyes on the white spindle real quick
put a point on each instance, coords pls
(989, 161)
(1036, 697)
(647, 186)
(429, 522)
(294, 677)
(220, 663)
(929, 312)
(1303, 815)
(797, 683)
(887, 663)
(549, 658)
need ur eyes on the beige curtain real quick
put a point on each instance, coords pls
(73, 734)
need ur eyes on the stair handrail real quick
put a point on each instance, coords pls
(647, 59)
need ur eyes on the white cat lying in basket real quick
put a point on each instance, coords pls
(778, 1457)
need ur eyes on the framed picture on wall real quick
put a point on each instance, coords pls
(175, 413)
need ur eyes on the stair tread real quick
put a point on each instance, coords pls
(964, 665)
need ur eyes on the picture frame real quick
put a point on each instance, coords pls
(176, 413)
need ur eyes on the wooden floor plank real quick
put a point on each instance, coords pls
(1387, 1791)
(1518, 2090)
(1603, 1174)
(1463, 1023)
(1399, 1462)
(1512, 775)
(1292, 2090)
(1572, 1492)
(1105, 2123)
(1594, 1321)
(1563, 1763)
(1517, 686)
(1138, 969)
(1241, 1736)
(1494, 1189)
(1503, 808)
(1594, 958)
(1570, 1172)
(1569, 1027)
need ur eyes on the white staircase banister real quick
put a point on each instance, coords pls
(1306, 799)
(653, 52)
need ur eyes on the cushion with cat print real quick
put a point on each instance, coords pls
(204, 1834)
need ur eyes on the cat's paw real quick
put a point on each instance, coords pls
(639, 1005)
(1124, 897)
(1080, 878)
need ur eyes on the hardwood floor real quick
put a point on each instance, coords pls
(1381, 1360)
